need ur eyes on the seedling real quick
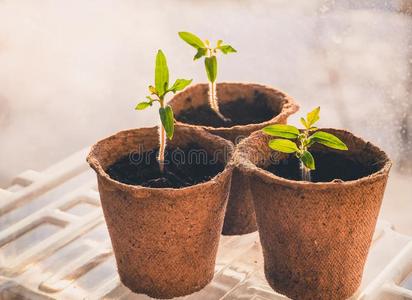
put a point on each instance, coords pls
(205, 49)
(303, 140)
(157, 94)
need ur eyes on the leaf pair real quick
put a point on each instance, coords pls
(287, 146)
(160, 89)
(311, 118)
(289, 132)
(204, 49)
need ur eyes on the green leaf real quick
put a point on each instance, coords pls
(152, 89)
(192, 39)
(312, 117)
(166, 116)
(328, 140)
(211, 68)
(303, 121)
(308, 160)
(161, 74)
(281, 130)
(219, 43)
(180, 84)
(282, 145)
(226, 49)
(142, 105)
(200, 52)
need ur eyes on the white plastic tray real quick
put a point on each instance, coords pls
(54, 245)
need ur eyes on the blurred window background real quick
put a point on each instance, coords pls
(71, 72)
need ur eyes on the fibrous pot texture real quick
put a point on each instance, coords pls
(237, 101)
(164, 239)
(315, 235)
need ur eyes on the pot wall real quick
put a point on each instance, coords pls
(240, 216)
(165, 240)
(315, 236)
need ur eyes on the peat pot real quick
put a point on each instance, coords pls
(164, 227)
(249, 107)
(315, 235)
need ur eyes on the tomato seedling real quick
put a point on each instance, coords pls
(157, 94)
(303, 140)
(205, 49)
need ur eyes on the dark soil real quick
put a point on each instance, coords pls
(239, 112)
(183, 167)
(329, 166)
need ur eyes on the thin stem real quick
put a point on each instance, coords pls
(304, 171)
(214, 105)
(162, 142)
(213, 100)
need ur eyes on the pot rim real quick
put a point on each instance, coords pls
(97, 167)
(289, 107)
(247, 166)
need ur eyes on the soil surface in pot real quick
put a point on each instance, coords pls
(183, 167)
(329, 166)
(239, 112)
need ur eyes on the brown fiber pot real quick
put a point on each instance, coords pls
(164, 240)
(240, 217)
(315, 236)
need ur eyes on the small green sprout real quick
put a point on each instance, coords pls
(304, 140)
(204, 48)
(157, 94)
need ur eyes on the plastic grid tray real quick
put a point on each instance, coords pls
(54, 245)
